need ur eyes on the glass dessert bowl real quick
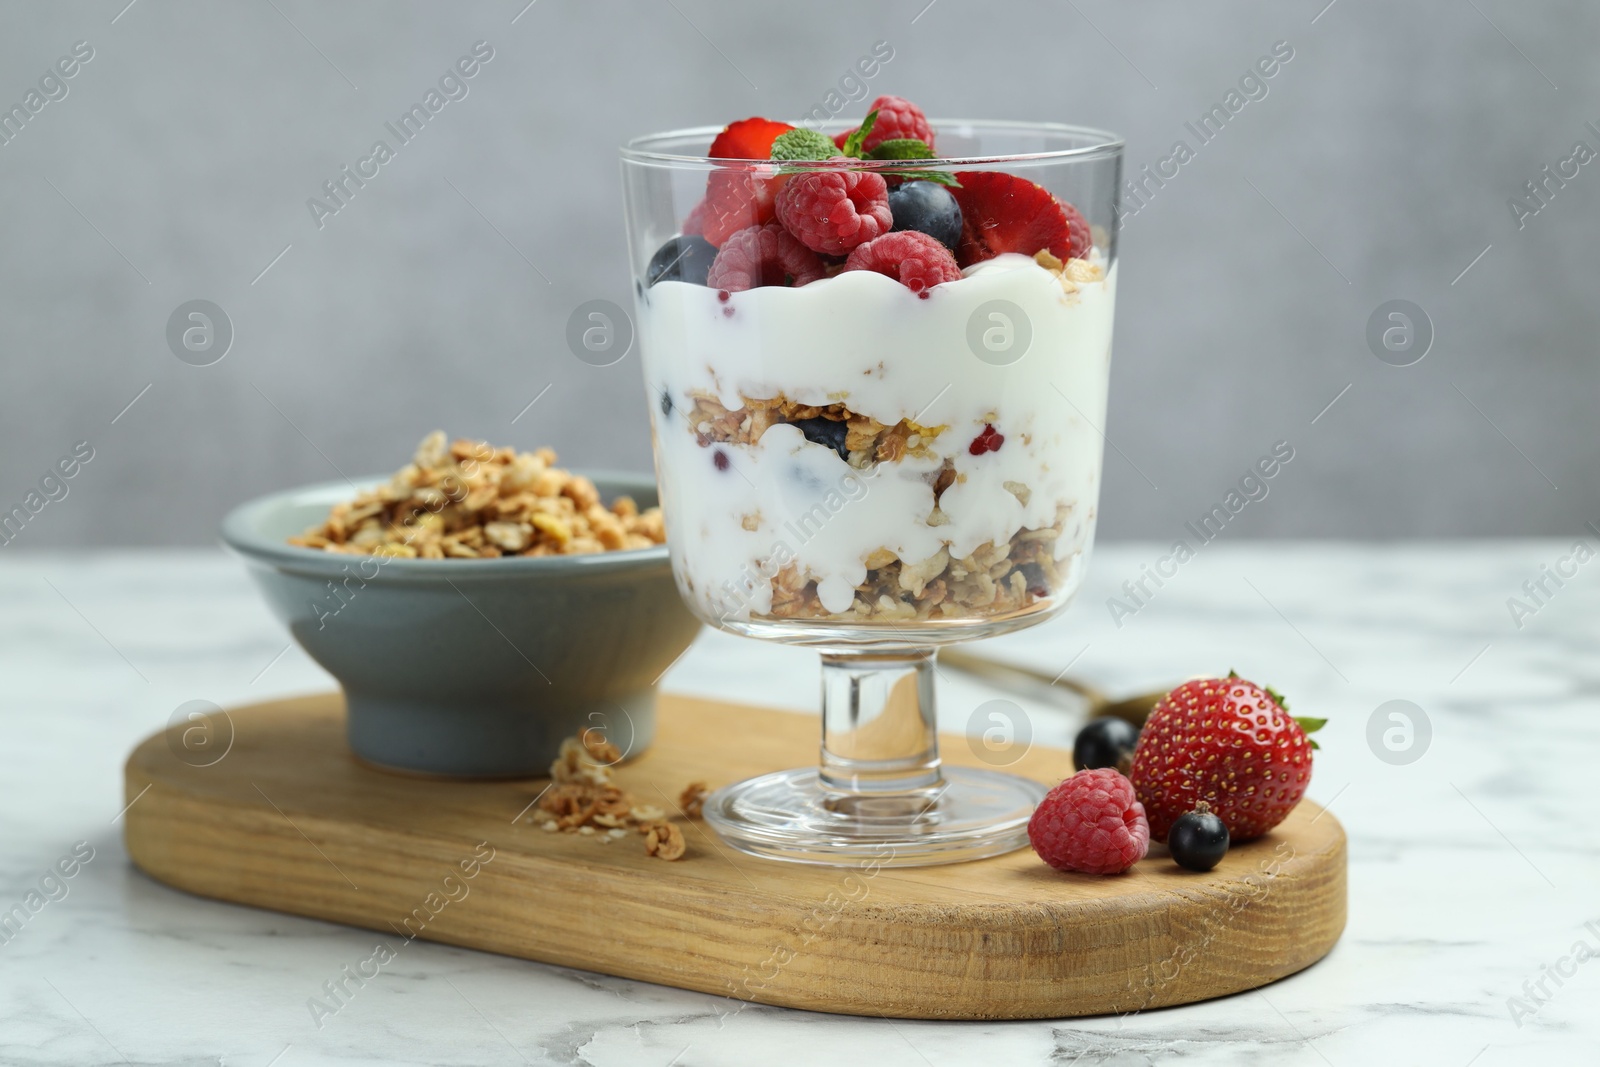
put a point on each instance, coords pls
(876, 389)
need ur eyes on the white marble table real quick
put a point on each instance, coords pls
(1472, 870)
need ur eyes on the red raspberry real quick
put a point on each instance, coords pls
(763, 255)
(1230, 743)
(833, 211)
(897, 118)
(913, 259)
(1090, 823)
(736, 199)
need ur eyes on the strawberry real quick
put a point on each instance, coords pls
(1004, 213)
(737, 197)
(748, 139)
(1230, 743)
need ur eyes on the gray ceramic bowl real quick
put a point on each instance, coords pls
(473, 668)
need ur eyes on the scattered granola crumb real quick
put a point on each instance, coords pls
(693, 799)
(665, 841)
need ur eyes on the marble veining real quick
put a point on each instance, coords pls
(1471, 869)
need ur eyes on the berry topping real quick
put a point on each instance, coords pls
(666, 402)
(897, 119)
(987, 441)
(927, 208)
(763, 255)
(1090, 823)
(915, 260)
(695, 224)
(1004, 213)
(682, 259)
(748, 139)
(719, 459)
(833, 211)
(1230, 743)
(1198, 840)
(1105, 742)
(825, 432)
(736, 199)
(803, 144)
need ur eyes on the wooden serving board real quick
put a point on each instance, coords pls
(289, 820)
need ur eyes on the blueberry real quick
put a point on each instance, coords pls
(666, 402)
(929, 208)
(1198, 839)
(1106, 742)
(825, 432)
(682, 259)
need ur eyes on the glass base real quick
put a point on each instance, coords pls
(971, 813)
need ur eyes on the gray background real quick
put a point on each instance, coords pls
(179, 166)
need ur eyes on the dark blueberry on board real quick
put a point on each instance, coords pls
(825, 432)
(682, 259)
(666, 402)
(928, 208)
(1106, 742)
(1198, 839)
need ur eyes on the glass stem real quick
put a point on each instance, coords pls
(879, 736)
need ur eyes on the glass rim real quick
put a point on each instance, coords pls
(1103, 145)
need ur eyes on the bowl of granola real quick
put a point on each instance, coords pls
(477, 607)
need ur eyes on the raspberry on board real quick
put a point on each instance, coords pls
(1090, 823)
(914, 259)
(833, 211)
(763, 255)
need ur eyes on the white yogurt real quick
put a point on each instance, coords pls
(864, 340)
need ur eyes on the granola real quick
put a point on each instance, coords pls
(583, 798)
(469, 500)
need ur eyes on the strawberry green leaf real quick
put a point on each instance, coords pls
(902, 148)
(1281, 700)
(1310, 725)
(852, 144)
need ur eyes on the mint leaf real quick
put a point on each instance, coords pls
(852, 144)
(803, 144)
(901, 148)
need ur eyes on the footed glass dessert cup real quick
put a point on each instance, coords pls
(875, 442)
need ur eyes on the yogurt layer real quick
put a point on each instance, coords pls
(768, 523)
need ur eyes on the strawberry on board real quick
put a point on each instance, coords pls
(1005, 213)
(1230, 743)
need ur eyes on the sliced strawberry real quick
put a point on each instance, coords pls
(1005, 213)
(748, 139)
(737, 197)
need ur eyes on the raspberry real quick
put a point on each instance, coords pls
(914, 259)
(763, 255)
(736, 199)
(897, 118)
(833, 211)
(1090, 823)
